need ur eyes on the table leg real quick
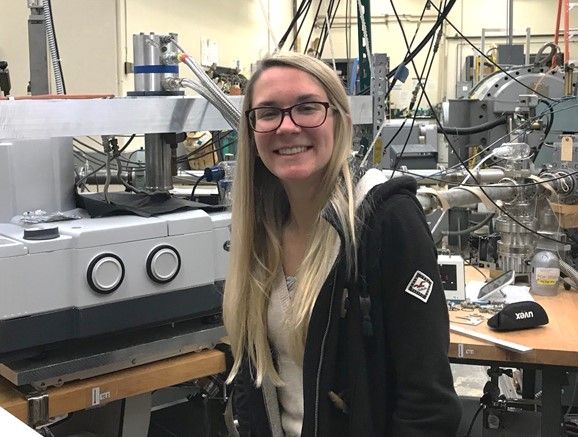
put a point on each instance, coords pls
(551, 401)
(136, 415)
(528, 384)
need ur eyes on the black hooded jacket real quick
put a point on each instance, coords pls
(375, 360)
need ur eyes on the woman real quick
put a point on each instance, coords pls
(333, 302)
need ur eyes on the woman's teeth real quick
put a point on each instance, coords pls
(291, 150)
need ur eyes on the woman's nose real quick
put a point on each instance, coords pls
(287, 124)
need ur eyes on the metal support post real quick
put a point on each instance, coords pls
(37, 49)
(136, 415)
(551, 401)
(364, 72)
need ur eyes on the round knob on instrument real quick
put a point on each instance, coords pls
(105, 273)
(163, 264)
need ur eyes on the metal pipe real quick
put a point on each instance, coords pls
(460, 197)
(483, 176)
(528, 37)
(569, 270)
(158, 164)
(510, 22)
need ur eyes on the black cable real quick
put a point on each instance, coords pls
(300, 25)
(330, 13)
(291, 25)
(312, 27)
(473, 129)
(405, 120)
(394, 80)
(491, 61)
(424, 93)
(208, 143)
(506, 213)
(548, 126)
(441, 17)
(526, 123)
(323, 30)
(468, 263)
(209, 152)
(419, 78)
(425, 7)
(199, 179)
(104, 165)
(480, 408)
(100, 152)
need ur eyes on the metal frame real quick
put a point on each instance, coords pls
(34, 119)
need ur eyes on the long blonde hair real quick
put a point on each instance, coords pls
(260, 210)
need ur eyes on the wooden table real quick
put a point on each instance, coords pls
(80, 395)
(555, 348)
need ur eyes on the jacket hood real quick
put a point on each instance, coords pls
(372, 188)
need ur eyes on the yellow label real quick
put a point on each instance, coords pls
(547, 275)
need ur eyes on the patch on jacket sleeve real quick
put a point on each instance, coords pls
(420, 286)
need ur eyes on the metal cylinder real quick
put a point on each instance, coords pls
(517, 243)
(158, 164)
(155, 60)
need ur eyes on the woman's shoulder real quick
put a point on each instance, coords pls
(374, 193)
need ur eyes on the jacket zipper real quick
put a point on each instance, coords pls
(322, 354)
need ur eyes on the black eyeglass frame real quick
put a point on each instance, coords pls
(285, 111)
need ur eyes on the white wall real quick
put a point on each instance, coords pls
(86, 32)
(95, 36)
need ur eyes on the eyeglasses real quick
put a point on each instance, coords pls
(265, 119)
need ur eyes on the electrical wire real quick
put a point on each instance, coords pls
(469, 433)
(103, 165)
(461, 131)
(433, 46)
(312, 28)
(470, 174)
(468, 263)
(378, 134)
(100, 152)
(300, 10)
(441, 17)
(185, 158)
(195, 187)
(300, 25)
(331, 12)
(527, 123)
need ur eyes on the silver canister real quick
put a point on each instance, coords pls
(155, 60)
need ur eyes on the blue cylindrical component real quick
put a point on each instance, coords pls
(214, 174)
(155, 61)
